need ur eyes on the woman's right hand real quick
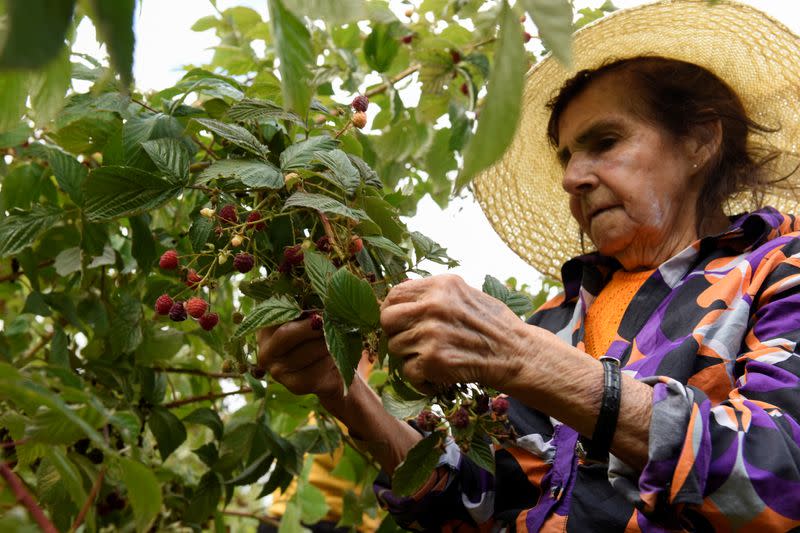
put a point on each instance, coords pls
(296, 356)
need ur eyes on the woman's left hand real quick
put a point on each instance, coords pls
(448, 332)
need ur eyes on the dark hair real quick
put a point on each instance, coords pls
(678, 96)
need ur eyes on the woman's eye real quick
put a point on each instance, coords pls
(606, 144)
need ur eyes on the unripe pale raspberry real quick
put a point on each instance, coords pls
(316, 321)
(237, 240)
(500, 405)
(177, 313)
(237, 317)
(360, 103)
(228, 214)
(193, 280)
(460, 419)
(169, 260)
(427, 420)
(243, 262)
(208, 321)
(291, 179)
(359, 119)
(293, 254)
(356, 244)
(408, 12)
(163, 304)
(255, 221)
(196, 307)
(222, 258)
(207, 212)
(324, 244)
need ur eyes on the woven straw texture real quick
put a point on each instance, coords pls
(756, 55)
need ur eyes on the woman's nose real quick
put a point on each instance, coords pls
(579, 175)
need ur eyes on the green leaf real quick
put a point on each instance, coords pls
(341, 168)
(51, 427)
(383, 243)
(320, 270)
(279, 477)
(299, 155)
(168, 430)
(59, 349)
(254, 470)
(235, 134)
(400, 408)
(350, 300)
(144, 492)
(113, 192)
(49, 86)
(313, 507)
(344, 346)
(252, 173)
(497, 123)
(323, 203)
(426, 248)
(21, 229)
(481, 453)
(34, 32)
(332, 13)
(69, 473)
(418, 465)
(293, 48)
(126, 323)
(515, 300)
(170, 156)
(291, 519)
(252, 109)
(553, 19)
(205, 498)
(381, 46)
(69, 173)
(276, 310)
(208, 418)
(114, 22)
(13, 92)
(143, 247)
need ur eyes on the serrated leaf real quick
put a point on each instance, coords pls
(497, 122)
(481, 453)
(427, 248)
(341, 169)
(144, 492)
(323, 203)
(252, 109)
(515, 300)
(114, 22)
(13, 92)
(320, 270)
(333, 13)
(252, 173)
(381, 45)
(400, 408)
(113, 192)
(553, 19)
(69, 473)
(168, 430)
(254, 470)
(299, 155)
(350, 300)
(420, 461)
(34, 32)
(143, 247)
(208, 418)
(21, 229)
(280, 478)
(199, 232)
(51, 427)
(345, 347)
(235, 134)
(313, 507)
(69, 173)
(170, 156)
(49, 86)
(276, 310)
(383, 243)
(293, 47)
(204, 499)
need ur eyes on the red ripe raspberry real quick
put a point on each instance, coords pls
(243, 262)
(284, 267)
(208, 321)
(407, 38)
(169, 260)
(257, 372)
(255, 222)
(293, 254)
(464, 89)
(177, 313)
(455, 56)
(324, 244)
(196, 307)
(500, 405)
(460, 419)
(427, 420)
(356, 245)
(360, 103)
(316, 321)
(526, 37)
(163, 304)
(228, 214)
(193, 279)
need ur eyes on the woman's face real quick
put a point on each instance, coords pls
(629, 182)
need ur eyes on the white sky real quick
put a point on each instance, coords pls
(165, 44)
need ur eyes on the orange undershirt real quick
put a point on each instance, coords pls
(605, 313)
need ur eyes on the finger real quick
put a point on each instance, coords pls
(401, 316)
(298, 383)
(408, 291)
(408, 342)
(414, 373)
(298, 358)
(284, 338)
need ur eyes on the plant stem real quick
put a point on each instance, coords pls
(14, 443)
(197, 372)
(98, 482)
(261, 518)
(399, 76)
(205, 148)
(205, 397)
(135, 101)
(30, 354)
(25, 498)
(15, 275)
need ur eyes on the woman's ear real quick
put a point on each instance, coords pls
(704, 142)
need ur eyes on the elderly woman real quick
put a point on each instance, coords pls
(660, 390)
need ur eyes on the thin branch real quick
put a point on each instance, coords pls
(30, 354)
(197, 372)
(15, 275)
(25, 498)
(98, 482)
(205, 148)
(14, 443)
(261, 518)
(399, 76)
(205, 397)
(135, 101)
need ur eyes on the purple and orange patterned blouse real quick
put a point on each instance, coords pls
(714, 330)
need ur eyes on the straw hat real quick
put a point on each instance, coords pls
(756, 55)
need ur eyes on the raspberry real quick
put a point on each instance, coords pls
(255, 222)
(257, 372)
(163, 304)
(526, 37)
(455, 56)
(481, 404)
(227, 366)
(360, 103)
(460, 419)
(243, 262)
(169, 260)
(242, 367)
(500, 405)
(208, 321)
(356, 245)
(193, 279)
(237, 240)
(324, 244)
(464, 89)
(178, 312)
(293, 254)
(316, 321)
(95, 456)
(359, 119)
(228, 214)
(196, 307)
(407, 38)
(284, 267)
(427, 420)
(237, 317)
